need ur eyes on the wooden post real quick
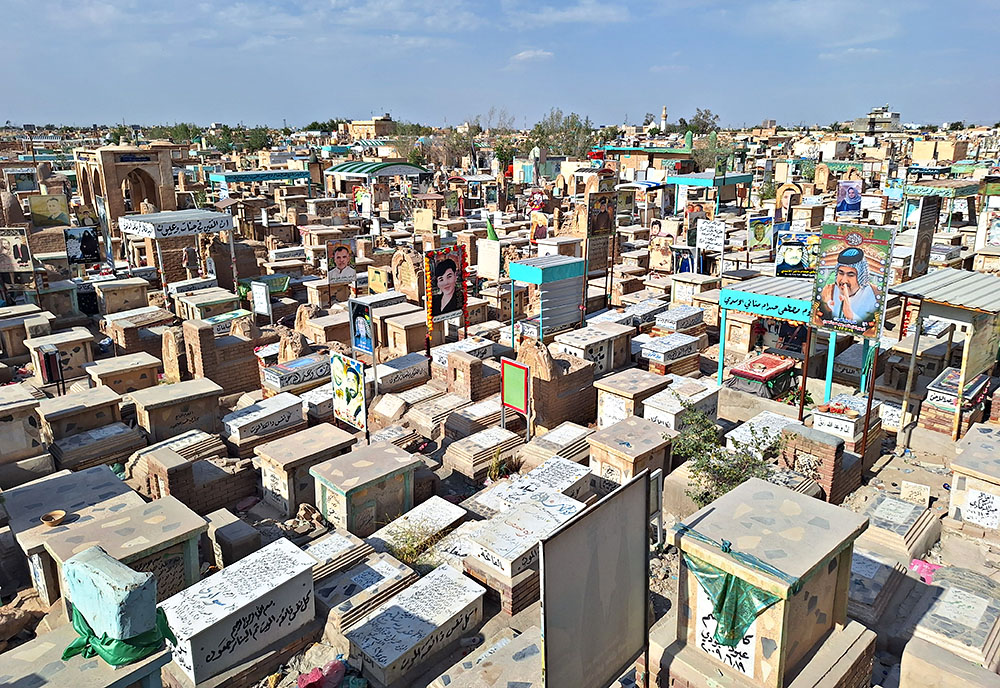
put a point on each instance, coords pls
(956, 428)
(805, 372)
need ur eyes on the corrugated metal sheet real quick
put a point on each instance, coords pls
(784, 287)
(958, 288)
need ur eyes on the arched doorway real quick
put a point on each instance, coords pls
(138, 186)
(85, 194)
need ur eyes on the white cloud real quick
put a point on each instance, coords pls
(660, 69)
(850, 53)
(532, 55)
(583, 12)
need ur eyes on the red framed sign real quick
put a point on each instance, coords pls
(515, 385)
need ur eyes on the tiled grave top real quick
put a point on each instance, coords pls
(73, 335)
(262, 410)
(390, 631)
(790, 531)
(856, 403)
(476, 346)
(176, 393)
(39, 664)
(138, 317)
(376, 572)
(403, 362)
(694, 278)
(14, 398)
(562, 435)
(84, 496)
(127, 283)
(131, 533)
(582, 338)
(453, 548)
(947, 384)
(681, 388)
(72, 404)
(417, 394)
(364, 465)
(979, 453)
(680, 317)
(763, 367)
(631, 383)
(558, 474)
(119, 364)
(869, 573)
(966, 611)
(331, 546)
(895, 515)
(421, 522)
(301, 446)
(390, 433)
(632, 437)
(767, 425)
(480, 409)
(669, 342)
(203, 604)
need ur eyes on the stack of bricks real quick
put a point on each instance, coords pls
(47, 240)
(204, 486)
(821, 456)
(472, 378)
(228, 361)
(172, 251)
(873, 450)
(995, 407)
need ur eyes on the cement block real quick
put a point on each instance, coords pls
(113, 598)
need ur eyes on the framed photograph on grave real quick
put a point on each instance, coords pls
(797, 254)
(362, 334)
(445, 289)
(786, 196)
(82, 245)
(348, 379)
(601, 213)
(49, 211)
(760, 234)
(848, 197)
(340, 257)
(515, 385)
(697, 210)
(14, 253)
(852, 277)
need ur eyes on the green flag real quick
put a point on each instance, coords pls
(491, 233)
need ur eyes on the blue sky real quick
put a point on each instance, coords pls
(443, 61)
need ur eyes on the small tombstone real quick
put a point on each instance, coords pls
(915, 493)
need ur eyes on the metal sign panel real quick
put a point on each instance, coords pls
(594, 621)
(515, 382)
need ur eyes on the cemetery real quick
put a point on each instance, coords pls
(689, 407)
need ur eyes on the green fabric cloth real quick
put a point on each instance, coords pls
(491, 233)
(117, 652)
(735, 602)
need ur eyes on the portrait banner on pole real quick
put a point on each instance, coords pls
(851, 279)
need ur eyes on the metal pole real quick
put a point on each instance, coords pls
(868, 408)
(722, 343)
(805, 373)
(956, 429)
(910, 374)
(831, 354)
(902, 319)
(232, 257)
(163, 277)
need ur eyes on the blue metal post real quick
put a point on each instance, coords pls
(830, 355)
(722, 343)
(865, 351)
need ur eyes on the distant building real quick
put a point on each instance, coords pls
(374, 128)
(769, 124)
(879, 120)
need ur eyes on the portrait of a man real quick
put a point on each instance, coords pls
(851, 296)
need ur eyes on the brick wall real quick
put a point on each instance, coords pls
(821, 456)
(471, 377)
(47, 240)
(228, 361)
(204, 486)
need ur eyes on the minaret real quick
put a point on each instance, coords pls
(663, 119)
